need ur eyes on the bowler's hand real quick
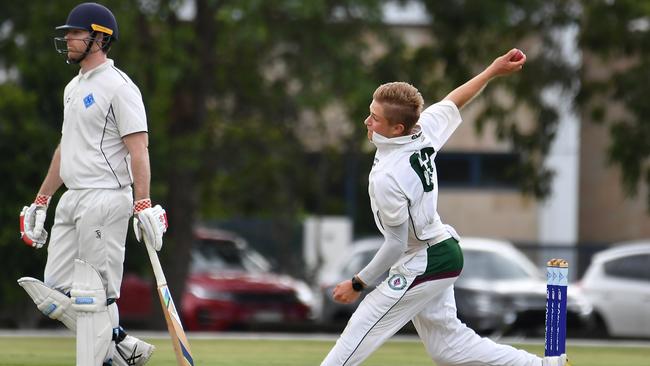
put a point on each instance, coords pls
(344, 293)
(504, 65)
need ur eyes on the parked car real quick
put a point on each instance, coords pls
(230, 285)
(362, 252)
(617, 283)
(499, 290)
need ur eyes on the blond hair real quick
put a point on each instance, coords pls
(402, 103)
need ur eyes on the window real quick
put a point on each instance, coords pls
(224, 255)
(491, 266)
(477, 170)
(634, 267)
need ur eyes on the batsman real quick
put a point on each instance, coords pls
(102, 154)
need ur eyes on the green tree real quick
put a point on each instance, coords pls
(224, 90)
(615, 33)
(468, 35)
(230, 89)
(32, 77)
(227, 89)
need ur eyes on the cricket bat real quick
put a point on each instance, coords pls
(174, 326)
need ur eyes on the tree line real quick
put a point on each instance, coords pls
(240, 94)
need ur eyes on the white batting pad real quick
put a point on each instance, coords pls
(94, 329)
(50, 302)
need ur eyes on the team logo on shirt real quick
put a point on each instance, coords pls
(397, 282)
(422, 162)
(89, 100)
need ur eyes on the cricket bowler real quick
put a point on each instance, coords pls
(420, 253)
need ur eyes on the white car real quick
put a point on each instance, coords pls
(617, 283)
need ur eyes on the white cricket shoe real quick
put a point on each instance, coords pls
(561, 360)
(132, 351)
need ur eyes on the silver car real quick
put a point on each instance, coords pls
(499, 291)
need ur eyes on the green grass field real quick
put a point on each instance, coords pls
(59, 351)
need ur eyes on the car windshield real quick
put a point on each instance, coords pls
(481, 264)
(225, 255)
(358, 262)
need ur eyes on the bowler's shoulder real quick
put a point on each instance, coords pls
(444, 108)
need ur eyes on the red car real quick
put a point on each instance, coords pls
(230, 286)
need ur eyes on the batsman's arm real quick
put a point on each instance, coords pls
(502, 65)
(52, 180)
(138, 146)
(32, 217)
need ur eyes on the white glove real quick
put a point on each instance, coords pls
(32, 220)
(150, 222)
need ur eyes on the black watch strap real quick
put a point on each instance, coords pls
(357, 285)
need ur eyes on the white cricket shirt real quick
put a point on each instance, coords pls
(403, 182)
(100, 107)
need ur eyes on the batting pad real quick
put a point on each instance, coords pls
(94, 329)
(50, 302)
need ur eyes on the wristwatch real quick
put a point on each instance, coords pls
(357, 285)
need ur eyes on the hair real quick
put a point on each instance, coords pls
(402, 103)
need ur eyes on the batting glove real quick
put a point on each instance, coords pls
(32, 220)
(149, 222)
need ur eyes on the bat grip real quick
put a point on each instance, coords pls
(155, 263)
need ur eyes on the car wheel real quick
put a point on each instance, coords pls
(598, 327)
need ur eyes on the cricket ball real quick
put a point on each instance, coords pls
(517, 56)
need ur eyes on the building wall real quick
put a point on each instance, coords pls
(606, 214)
(489, 213)
(495, 213)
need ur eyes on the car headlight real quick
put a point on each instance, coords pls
(580, 306)
(208, 294)
(304, 294)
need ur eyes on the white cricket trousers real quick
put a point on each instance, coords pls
(432, 308)
(90, 224)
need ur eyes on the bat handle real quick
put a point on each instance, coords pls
(155, 263)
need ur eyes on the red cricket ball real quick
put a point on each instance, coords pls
(517, 56)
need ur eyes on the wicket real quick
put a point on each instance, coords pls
(557, 272)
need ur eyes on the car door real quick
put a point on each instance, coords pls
(626, 295)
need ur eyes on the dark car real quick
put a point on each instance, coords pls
(230, 286)
(360, 254)
(499, 291)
